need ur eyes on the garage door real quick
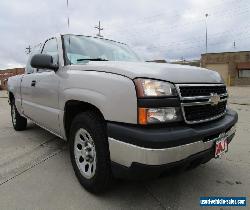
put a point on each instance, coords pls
(222, 69)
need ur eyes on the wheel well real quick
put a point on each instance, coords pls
(73, 108)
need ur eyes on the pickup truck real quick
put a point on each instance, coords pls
(123, 117)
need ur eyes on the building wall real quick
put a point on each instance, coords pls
(221, 68)
(5, 74)
(232, 59)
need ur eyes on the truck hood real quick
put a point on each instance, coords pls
(163, 71)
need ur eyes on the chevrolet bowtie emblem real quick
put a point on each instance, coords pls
(214, 99)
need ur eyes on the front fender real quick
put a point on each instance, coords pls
(114, 95)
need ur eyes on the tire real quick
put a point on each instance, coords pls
(89, 152)
(19, 123)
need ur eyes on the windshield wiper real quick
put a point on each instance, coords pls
(92, 59)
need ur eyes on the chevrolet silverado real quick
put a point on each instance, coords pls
(123, 117)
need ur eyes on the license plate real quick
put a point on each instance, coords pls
(221, 147)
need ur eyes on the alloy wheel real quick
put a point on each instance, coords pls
(85, 153)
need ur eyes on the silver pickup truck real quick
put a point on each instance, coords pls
(122, 117)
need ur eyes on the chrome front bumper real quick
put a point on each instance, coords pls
(125, 154)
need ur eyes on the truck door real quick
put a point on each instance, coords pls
(45, 92)
(27, 87)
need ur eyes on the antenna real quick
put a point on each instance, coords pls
(68, 23)
(99, 29)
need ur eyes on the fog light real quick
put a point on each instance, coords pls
(159, 115)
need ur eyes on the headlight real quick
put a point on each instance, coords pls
(158, 115)
(153, 88)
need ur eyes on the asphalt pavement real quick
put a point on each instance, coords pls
(36, 173)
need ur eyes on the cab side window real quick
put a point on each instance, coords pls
(36, 50)
(51, 48)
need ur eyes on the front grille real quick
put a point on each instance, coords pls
(198, 103)
(191, 91)
(202, 112)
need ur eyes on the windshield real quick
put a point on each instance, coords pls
(81, 49)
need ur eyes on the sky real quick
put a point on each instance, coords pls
(155, 29)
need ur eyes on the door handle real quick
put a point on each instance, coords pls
(33, 83)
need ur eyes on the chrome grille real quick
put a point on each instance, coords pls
(202, 102)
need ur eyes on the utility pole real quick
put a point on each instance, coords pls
(99, 29)
(206, 15)
(182, 59)
(28, 50)
(234, 44)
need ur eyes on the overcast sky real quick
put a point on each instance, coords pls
(156, 29)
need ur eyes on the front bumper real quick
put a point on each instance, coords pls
(159, 146)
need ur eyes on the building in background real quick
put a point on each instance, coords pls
(5, 74)
(158, 61)
(187, 62)
(234, 67)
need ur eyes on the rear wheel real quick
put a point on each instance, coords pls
(89, 152)
(19, 123)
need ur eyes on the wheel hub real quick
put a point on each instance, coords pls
(85, 153)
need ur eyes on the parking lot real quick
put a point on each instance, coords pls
(36, 173)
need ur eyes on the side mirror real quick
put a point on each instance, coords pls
(43, 61)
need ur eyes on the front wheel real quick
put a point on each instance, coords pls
(19, 123)
(89, 152)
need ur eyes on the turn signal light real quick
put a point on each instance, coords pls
(158, 115)
(142, 116)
